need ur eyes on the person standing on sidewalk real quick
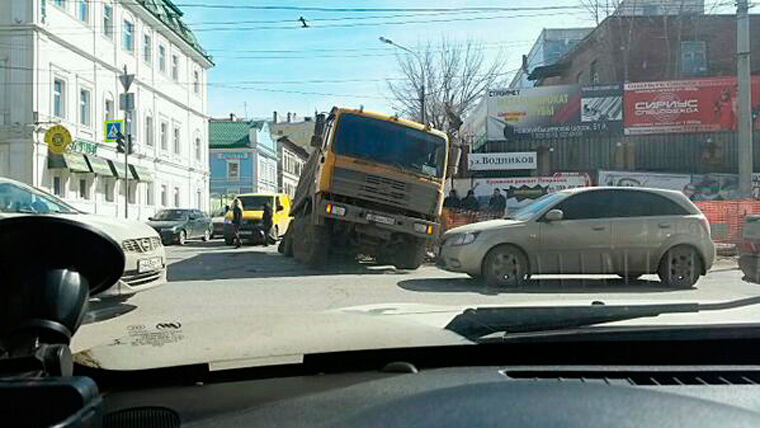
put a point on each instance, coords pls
(237, 219)
(267, 223)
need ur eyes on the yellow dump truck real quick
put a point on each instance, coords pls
(372, 186)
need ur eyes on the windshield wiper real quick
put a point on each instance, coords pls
(476, 323)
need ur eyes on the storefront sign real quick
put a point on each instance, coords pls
(699, 105)
(520, 191)
(561, 111)
(698, 187)
(233, 155)
(84, 147)
(57, 139)
(501, 161)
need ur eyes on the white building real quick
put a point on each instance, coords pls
(59, 64)
(291, 159)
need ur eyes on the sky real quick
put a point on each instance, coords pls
(264, 66)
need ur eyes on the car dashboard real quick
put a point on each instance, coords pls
(399, 393)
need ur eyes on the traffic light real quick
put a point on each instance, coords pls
(123, 144)
(120, 143)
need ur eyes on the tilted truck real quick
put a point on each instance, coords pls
(372, 186)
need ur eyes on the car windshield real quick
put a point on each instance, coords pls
(18, 198)
(421, 160)
(171, 215)
(255, 203)
(539, 205)
(390, 143)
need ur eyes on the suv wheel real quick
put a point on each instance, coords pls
(206, 235)
(182, 237)
(505, 266)
(680, 267)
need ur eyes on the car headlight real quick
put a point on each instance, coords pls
(462, 239)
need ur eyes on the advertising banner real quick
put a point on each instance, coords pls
(501, 161)
(698, 105)
(697, 187)
(520, 191)
(561, 111)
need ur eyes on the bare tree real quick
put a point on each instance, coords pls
(457, 74)
(600, 9)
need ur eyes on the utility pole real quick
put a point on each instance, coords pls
(127, 102)
(743, 99)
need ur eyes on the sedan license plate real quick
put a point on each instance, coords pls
(390, 221)
(149, 265)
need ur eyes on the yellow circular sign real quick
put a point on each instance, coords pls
(57, 139)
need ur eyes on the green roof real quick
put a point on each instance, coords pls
(228, 134)
(168, 13)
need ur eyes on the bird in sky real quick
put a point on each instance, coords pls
(304, 24)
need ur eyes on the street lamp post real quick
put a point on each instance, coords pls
(422, 74)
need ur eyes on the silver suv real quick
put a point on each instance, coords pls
(626, 231)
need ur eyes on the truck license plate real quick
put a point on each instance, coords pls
(149, 265)
(381, 219)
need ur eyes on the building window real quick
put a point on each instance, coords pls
(149, 130)
(197, 148)
(84, 107)
(149, 194)
(175, 67)
(693, 58)
(162, 58)
(127, 37)
(132, 189)
(147, 48)
(176, 197)
(176, 141)
(593, 72)
(83, 10)
(84, 191)
(57, 186)
(59, 98)
(108, 109)
(109, 190)
(164, 135)
(196, 82)
(108, 21)
(163, 195)
(233, 170)
(60, 3)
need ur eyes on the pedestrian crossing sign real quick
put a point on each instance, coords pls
(112, 130)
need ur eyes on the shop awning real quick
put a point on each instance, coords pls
(99, 166)
(75, 162)
(140, 173)
(117, 168)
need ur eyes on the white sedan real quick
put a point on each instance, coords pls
(145, 261)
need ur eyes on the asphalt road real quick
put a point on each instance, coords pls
(211, 281)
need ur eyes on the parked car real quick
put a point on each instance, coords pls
(145, 261)
(217, 221)
(253, 205)
(179, 225)
(749, 250)
(593, 230)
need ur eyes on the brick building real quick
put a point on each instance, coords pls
(651, 48)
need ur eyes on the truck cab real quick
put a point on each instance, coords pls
(373, 186)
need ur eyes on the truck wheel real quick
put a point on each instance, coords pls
(409, 256)
(310, 245)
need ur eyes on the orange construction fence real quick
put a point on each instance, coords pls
(454, 218)
(727, 217)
